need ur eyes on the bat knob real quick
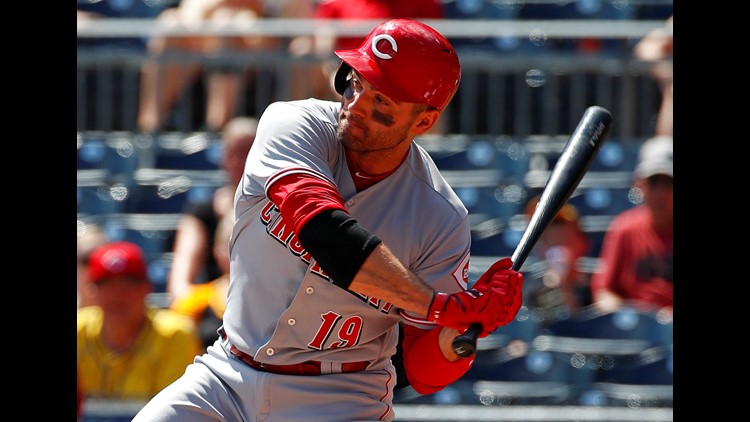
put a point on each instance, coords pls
(465, 345)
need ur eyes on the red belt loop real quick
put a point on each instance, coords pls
(310, 367)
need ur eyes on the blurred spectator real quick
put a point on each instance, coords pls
(162, 82)
(562, 289)
(636, 259)
(205, 303)
(127, 350)
(317, 81)
(656, 47)
(90, 237)
(112, 83)
(90, 9)
(374, 9)
(193, 261)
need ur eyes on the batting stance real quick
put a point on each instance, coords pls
(344, 227)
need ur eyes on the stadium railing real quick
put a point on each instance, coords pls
(505, 89)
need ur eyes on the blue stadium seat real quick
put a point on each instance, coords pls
(156, 199)
(601, 338)
(601, 200)
(154, 240)
(523, 375)
(610, 344)
(485, 9)
(199, 151)
(114, 152)
(158, 268)
(579, 9)
(655, 10)
(493, 238)
(450, 395)
(616, 155)
(626, 323)
(92, 155)
(524, 327)
(491, 200)
(583, 10)
(153, 243)
(170, 196)
(507, 158)
(645, 380)
(463, 160)
(653, 366)
(95, 200)
(512, 160)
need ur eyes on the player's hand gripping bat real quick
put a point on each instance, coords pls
(574, 160)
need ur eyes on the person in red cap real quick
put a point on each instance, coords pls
(343, 230)
(127, 350)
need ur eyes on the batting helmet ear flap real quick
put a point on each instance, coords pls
(341, 80)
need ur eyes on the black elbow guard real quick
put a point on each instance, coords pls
(338, 243)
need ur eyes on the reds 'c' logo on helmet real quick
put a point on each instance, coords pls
(375, 47)
(405, 60)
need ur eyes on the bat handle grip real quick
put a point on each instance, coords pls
(465, 345)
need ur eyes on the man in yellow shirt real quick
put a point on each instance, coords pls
(126, 349)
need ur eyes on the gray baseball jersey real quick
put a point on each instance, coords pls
(282, 308)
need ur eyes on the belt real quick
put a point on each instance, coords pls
(310, 367)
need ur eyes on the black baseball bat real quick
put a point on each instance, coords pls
(574, 160)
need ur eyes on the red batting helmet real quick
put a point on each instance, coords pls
(405, 60)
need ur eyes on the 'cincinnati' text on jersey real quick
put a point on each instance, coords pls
(283, 233)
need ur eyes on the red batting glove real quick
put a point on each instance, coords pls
(459, 310)
(500, 267)
(509, 284)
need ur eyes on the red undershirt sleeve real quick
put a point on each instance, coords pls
(299, 197)
(315, 210)
(426, 368)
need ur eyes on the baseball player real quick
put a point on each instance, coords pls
(344, 227)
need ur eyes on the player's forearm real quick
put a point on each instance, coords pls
(357, 260)
(383, 276)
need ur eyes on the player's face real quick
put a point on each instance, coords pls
(371, 121)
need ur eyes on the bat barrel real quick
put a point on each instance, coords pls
(574, 160)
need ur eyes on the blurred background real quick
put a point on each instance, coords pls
(154, 94)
